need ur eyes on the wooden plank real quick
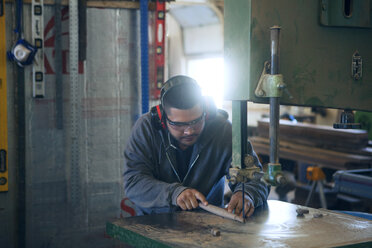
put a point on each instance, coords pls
(313, 155)
(275, 225)
(317, 135)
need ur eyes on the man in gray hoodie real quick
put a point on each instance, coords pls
(179, 153)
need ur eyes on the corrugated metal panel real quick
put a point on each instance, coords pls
(109, 88)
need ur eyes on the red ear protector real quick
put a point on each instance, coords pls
(157, 117)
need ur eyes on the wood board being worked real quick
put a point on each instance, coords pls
(274, 225)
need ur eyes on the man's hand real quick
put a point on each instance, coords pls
(188, 199)
(236, 203)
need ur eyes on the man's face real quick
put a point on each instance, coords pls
(186, 125)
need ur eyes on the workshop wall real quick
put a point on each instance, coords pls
(109, 92)
(176, 63)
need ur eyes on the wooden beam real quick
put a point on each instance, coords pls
(98, 4)
(312, 155)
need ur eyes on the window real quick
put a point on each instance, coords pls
(209, 73)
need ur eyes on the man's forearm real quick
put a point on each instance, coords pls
(147, 192)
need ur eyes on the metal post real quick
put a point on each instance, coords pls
(20, 105)
(238, 152)
(244, 131)
(321, 195)
(144, 55)
(244, 140)
(274, 101)
(58, 63)
(74, 106)
(313, 186)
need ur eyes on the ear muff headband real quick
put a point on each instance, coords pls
(157, 112)
(173, 82)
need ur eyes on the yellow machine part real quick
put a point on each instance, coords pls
(314, 173)
(3, 109)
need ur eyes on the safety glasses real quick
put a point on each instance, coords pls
(182, 126)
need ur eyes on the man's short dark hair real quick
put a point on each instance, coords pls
(183, 93)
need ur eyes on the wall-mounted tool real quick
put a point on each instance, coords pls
(3, 106)
(37, 20)
(160, 49)
(23, 53)
(3, 170)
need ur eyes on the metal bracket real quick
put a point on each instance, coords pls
(274, 175)
(356, 66)
(238, 175)
(270, 85)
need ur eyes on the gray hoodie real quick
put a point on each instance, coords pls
(150, 167)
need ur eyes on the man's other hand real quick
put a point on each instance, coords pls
(236, 203)
(188, 199)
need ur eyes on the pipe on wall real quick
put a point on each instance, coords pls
(144, 56)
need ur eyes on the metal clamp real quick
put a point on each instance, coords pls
(238, 175)
(356, 66)
(270, 85)
(274, 175)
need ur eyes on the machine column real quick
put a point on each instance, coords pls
(274, 101)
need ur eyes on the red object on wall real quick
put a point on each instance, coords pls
(159, 48)
(126, 208)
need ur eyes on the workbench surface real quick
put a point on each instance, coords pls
(274, 225)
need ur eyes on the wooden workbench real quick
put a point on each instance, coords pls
(275, 225)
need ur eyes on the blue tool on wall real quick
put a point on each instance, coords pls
(23, 53)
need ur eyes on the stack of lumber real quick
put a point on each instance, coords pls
(315, 144)
(317, 135)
